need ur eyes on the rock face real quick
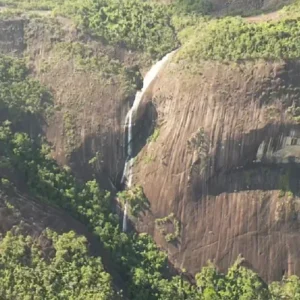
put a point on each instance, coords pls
(226, 164)
(224, 156)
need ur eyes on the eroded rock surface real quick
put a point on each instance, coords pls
(226, 163)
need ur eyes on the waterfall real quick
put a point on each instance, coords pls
(130, 118)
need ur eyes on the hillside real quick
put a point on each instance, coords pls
(214, 148)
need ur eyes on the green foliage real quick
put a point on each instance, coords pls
(5, 182)
(288, 288)
(70, 273)
(292, 10)
(187, 22)
(294, 112)
(138, 260)
(234, 39)
(138, 24)
(33, 4)
(19, 94)
(238, 283)
(67, 273)
(136, 199)
(163, 222)
(97, 161)
(155, 135)
(9, 13)
(193, 6)
(70, 131)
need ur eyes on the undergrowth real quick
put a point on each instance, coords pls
(135, 24)
(233, 39)
(163, 222)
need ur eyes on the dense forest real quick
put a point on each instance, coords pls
(68, 271)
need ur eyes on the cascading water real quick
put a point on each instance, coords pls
(130, 117)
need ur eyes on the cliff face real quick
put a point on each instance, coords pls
(223, 158)
(226, 163)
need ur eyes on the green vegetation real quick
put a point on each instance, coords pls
(138, 260)
(139, 24)
(70, 273)
(97, 161)
(163, 222)
(292, 10)
(20, 95)
(202, 7)
(136, 199)
(32, 4)
(153, 28)
(288, 288)
(238, 283)
(136, 24)
(70, 131)
(242, 283)
(294, 112)
(64, 272)
(155, 135)
(235, 39)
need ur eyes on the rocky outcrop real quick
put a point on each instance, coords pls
(226, 164)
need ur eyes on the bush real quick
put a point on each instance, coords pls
(234, 39)
(160, 223)
(19, 94)
(69, 273)
(136, 199)
(193, 6)
(140, 25)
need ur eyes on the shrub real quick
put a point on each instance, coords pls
(234, 39)
(136, 199)
(193, 6)
(161, 223)
(69, 273)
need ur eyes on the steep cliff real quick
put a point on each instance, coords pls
(224, 161)
(216, 144)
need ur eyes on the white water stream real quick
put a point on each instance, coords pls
(129, 123)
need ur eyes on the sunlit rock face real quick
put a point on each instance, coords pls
(226, 164)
